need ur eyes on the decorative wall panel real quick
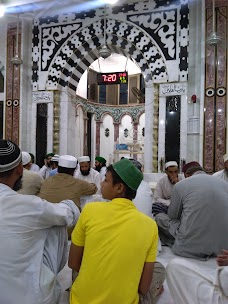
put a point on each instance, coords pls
(12, 109)
(150, 32)
(215, 90)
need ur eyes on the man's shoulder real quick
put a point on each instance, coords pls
(94, 172)
(31, 174)
(163, 179)
(219, 173)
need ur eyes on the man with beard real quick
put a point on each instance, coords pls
(197, 216)
(100, 166)
(164, 188)
(33, 239)
(46, 169)
(223, 173)
(85, 172)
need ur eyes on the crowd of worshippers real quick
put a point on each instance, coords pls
(114, 244)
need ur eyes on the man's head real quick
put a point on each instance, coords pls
(11, 168)
(137, 164)
(84, 162)
(32, 157)
(67, 164)
(48, 158)
(122, 180)
(54, 161)
(225, 159)
(190, 168)
(99, 163)
(171, 169)
(26, 160)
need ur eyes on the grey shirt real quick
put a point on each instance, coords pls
(198, 216)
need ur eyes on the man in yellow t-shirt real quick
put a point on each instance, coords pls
(114, 246)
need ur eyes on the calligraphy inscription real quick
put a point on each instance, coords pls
(41, 97)
(170, 89)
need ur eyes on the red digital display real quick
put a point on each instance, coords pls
(112, 78)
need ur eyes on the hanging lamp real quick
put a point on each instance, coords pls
(16, 60)
(105, 52)
(213, 39)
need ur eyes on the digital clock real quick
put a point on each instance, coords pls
(112, 78)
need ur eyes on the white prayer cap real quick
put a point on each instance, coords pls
(26, 158)
(67, 161)
(55, 158)
(171, 164)
(84, 159)
(225, 157)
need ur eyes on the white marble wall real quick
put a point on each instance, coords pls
(170, 90)
(107, 143)
(78, 139)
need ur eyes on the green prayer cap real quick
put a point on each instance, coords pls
(49, 154)
(100, 159)
(128, 173)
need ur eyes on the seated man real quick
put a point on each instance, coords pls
(190, 283)
(164, 188)
(32, 236)
(197, 216)
(64, 186)
(114, 245)
(100, 166)
(86, 173)
(224, 172)
(31, 181)
(190, 167)
(144, 196)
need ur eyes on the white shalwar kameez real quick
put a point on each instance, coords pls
(45, 171)
(33, 247)
(103, 173)
(197, 282)
(144, 198)
(222, 174)
(93, 177)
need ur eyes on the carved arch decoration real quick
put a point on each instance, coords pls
(115, 112)
(81, 50)
(152, 33)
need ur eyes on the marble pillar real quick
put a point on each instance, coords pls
(56, 113)
(12, 109)
(98, 137)
(149, 112)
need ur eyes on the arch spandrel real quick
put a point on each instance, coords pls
(81, 49)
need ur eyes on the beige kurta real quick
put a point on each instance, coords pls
(64, 186)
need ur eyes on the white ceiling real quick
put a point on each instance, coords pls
(44, 7)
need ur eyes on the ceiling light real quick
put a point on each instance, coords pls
(213, 39)
(2, 10)
(16, 60)
(105, 52)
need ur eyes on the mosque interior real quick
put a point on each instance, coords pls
(145, 79)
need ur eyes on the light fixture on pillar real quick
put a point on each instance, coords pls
(105, 52)
(214, 38)
(16, 60)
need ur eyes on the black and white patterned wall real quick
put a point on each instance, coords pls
(153, 33)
